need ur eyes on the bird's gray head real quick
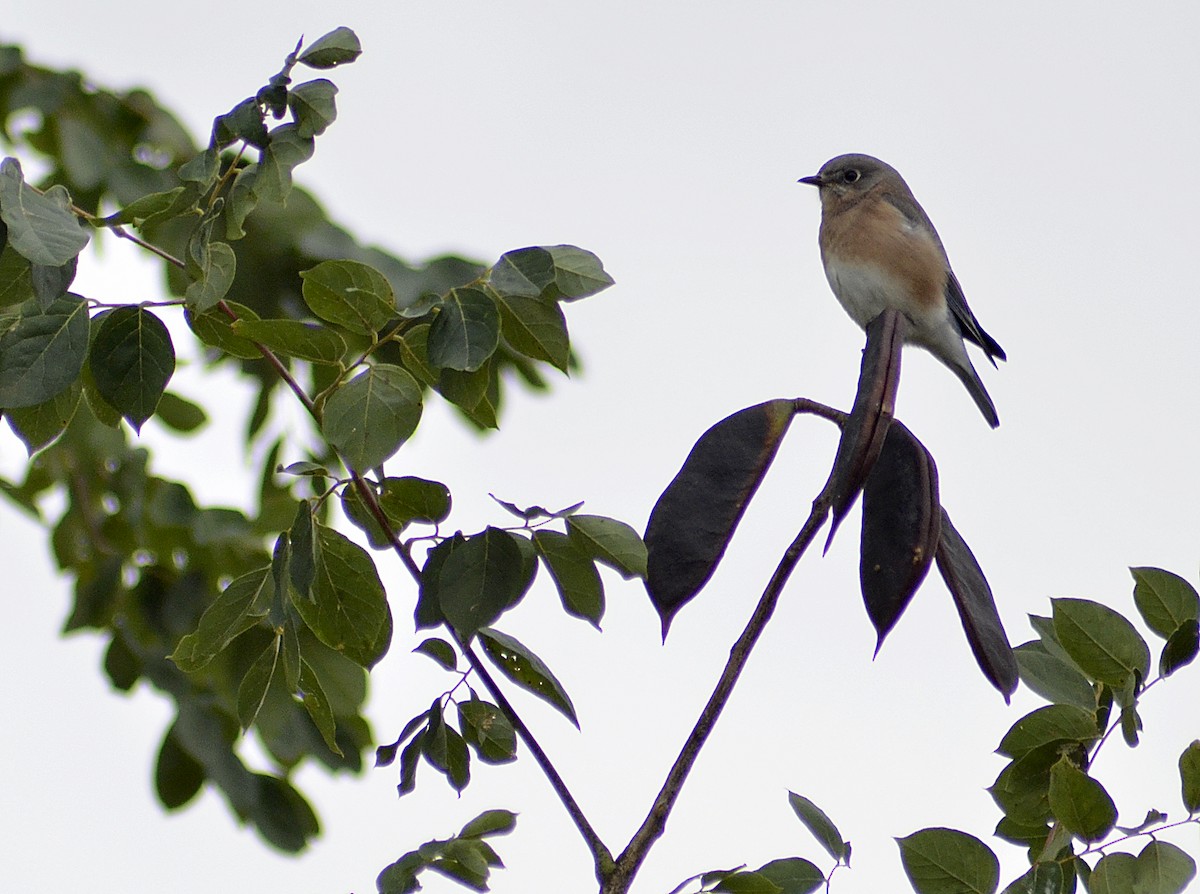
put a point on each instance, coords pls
(850, 174)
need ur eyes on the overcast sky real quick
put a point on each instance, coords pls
(1053, 145)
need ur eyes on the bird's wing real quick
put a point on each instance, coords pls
(971, 330)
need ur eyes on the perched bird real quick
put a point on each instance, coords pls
(880, 250)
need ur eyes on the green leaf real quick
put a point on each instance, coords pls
(336, 48)
(1165, 600)
(302, 557)
(793, 874)
(238, 608)
(178, 777)
(1181, 648)
(1052, 678)
(294, 338)
(490, 822)
(610, 542)
(1049, 725)
(16, 278)
(475, 393)
(252, 693)
(131, 361)
(525, 669)
(41, 425)
(524, 272)
(577, 272)
(215, 328)
(411, 499)
(1101, 641)
(214, 277)
(694, 519)
(746, 882)
(465, 332)
(180, 414)
(316, 703)
(479, 580)
(368, 418)
(1189, 777)
(535, 328)
(415, 356)
(440, 651)
(41, 227)
(1114, 874)
(349, 610)
(820, 825)
(946, 861)
(43, 353)
(1163, 868)
(243, 122)
(574, 575)
(1080, 803)
(138, 210)
(485, 728)
(242, 202)
(313, 106)
(52, 282)
(349, 294)
(287, 149)
(428, 611)
(1042, 878)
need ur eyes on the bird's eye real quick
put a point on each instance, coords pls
(851, 176)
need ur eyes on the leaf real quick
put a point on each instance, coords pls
(179, 414)
(1042, 878)
(287, 149)
(349, 610)
(793, 874)
(428, 611)
(694, 519)
(523, 272)
(1080, 803)
(215, 328)
(1049, 725)
(1114, 874)
(252, 693)
(316, 703)
(239, 607)
(336, 48)
(976, 609)
(368, 418)
(465, 332)
(40, 227)
(302, 557)
(1163, 868)
(901, 527)
(1051, 678)
(411, 499)
(535, 328)
(412, 346)
(52, 282)
(446, 751)
(479, 580)
(1180, 649)
(488, 823)
(526, 670)
(1189, 777)
(820, 825)
(43, 353)
(137, 211)
(178, 777)
(1101, 641)
(1165, 600)
(610, 542)
(440, 651)
(745, 882)
(577, 272)
(350, 294)
(16, 278)
(313, 106)
(574, 575)
(475, 393)
(293, 338)
(39, 426)
(488, 731)
(131, 361)
(946, 861)
(214, 277)
(243, 122)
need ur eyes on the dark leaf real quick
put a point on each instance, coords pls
(336, 48)
(465, 332)
(349, 294)
(313, 106)
(976, 609)
(1189, 777)
(1101, 641)
(526, 670)
(694, 519)
(371, 416)
(41, 227)
(293, 338)
(901, 522)
(940, 861)
(440, 651)
(1080, 803)
(44, 352)
(1052, 678)
(1049, 725)
(1181, 648)
(131, 361)
(50, 283)
(479, 580)
(820, 825)
(288, 149)
(574, 574)
(1165, 600)
(610, 542)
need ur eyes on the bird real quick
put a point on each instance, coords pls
(880, 249)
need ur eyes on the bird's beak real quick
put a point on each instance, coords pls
(814, 180)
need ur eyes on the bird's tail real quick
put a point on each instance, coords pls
(974, 384)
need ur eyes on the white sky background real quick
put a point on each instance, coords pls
(1055, 147)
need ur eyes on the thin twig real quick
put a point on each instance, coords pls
(651, 830)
